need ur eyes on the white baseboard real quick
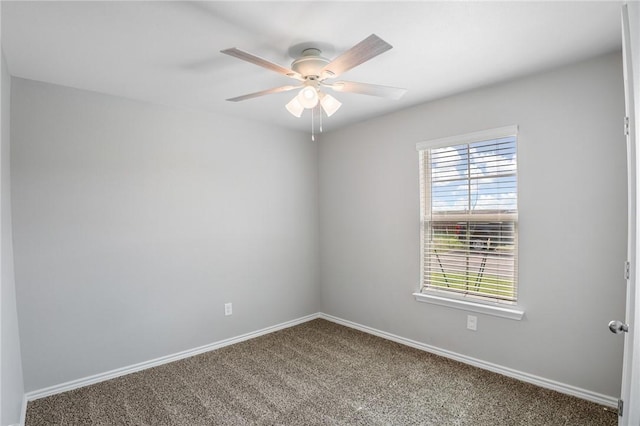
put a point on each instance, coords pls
(101, 377)
(519, 375)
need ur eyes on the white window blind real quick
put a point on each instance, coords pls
(469, 215)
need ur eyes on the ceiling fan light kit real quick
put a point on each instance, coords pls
(308, 98)
(313, 71)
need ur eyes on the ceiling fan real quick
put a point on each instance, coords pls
(314, 73)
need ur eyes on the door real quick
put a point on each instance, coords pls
(630, 392)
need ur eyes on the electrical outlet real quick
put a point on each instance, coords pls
(472, 322)
(228, 309)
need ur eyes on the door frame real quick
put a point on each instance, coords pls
(630, 392)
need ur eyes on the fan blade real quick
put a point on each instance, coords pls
(246, 56)
(367, 89)
(367, 49)
(263, 92)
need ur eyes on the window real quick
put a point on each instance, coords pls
(469, 216)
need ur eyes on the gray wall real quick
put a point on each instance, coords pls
(11, 386)
(572, 199)
(135, 223)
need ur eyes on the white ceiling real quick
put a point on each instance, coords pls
(169, 52)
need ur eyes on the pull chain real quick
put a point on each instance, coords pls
(320, 111)
(313, 136)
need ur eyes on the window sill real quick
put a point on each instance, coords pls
(514, 312)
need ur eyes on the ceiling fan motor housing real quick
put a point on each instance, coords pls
(310, 65)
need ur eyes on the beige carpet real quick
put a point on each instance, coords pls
(315, 373)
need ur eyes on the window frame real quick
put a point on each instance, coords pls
(468, 302)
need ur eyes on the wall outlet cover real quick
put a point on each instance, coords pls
(472, 322)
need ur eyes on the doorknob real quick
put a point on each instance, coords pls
(618, 327)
